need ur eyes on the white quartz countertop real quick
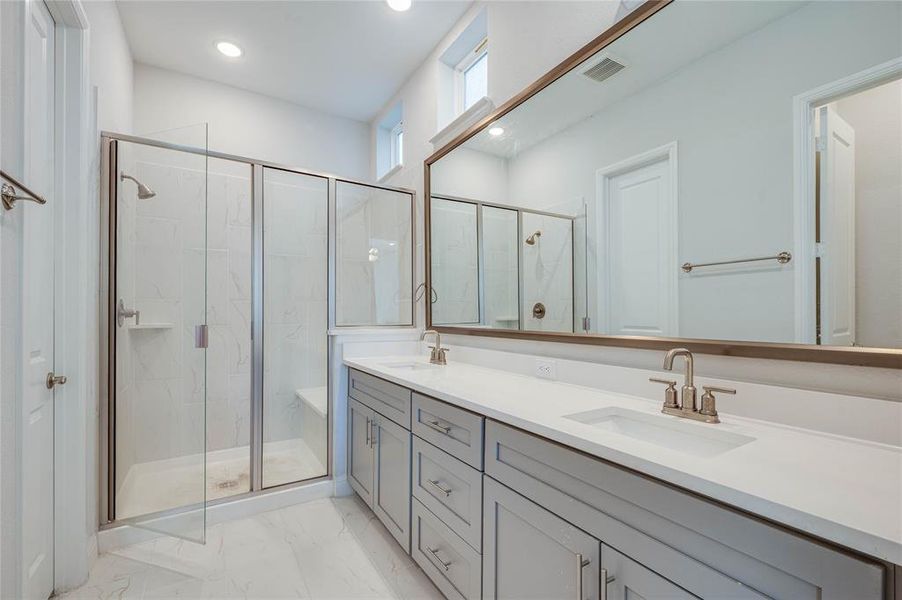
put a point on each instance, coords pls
(840, 489)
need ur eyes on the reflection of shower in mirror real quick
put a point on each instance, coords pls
(531, 240)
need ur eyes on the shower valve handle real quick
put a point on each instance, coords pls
(123, 313)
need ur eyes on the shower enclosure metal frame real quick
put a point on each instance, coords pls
(480, 256)
(108, 251)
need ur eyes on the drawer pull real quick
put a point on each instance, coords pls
(605, 580)
(445, 565)
(446, 429)
(580, 565)
(445, 491)
(369, 430)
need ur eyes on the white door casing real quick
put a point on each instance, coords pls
(836, 145)
(637, 245)
(37, 306)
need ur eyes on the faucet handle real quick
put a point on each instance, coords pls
(709, 402)
(711, 389)
(670, 394)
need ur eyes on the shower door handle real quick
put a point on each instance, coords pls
(201, 336)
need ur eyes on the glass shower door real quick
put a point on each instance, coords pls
(159, 327)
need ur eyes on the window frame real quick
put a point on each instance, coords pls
(396, 145)
(480, 51)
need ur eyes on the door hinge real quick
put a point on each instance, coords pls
(819, 250)
(201, 336)
(819, 143)
(587, 323)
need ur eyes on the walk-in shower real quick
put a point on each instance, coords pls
(219, 291)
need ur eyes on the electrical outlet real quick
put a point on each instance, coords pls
(546, 369)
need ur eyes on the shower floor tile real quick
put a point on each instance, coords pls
(330, 548)
(160, 485)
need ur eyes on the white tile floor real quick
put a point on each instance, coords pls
(332, 548)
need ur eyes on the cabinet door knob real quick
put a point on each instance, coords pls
(55, 380)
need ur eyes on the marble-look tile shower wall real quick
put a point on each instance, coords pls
(375, 249)
(455, 262)
(164, 416)
(295, 248)
(548, 272)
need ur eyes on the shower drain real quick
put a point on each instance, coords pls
(227, 484)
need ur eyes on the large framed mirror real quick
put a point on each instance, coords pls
(722, 175)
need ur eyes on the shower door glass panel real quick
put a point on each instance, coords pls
(455, 262)
(295, 322)
(500, 249)
(229, 221)
(374, 245)
(160, 401)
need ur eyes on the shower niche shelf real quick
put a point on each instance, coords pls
(151, 326)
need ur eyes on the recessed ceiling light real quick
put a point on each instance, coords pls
(496, 131)
(229, 49)
(399, 5)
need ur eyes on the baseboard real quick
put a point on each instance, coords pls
(342, 487)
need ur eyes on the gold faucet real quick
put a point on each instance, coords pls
(687, 406)
(438, 356)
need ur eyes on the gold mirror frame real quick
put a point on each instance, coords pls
(861, 356)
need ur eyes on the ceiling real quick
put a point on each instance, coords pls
(344, 58)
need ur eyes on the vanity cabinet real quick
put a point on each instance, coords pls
(361, 458)
(531, 553)
(547, 521)
(379, 467)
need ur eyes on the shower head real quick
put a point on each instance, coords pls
(144, 192)
(531, 240)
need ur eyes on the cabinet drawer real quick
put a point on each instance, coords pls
(646, 520)
(455, 430)
(452, 565)
(450, 489)
(388, 399)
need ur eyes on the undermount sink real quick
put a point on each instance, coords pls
(667, 432)
(409, 365)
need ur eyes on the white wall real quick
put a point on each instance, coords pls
(249, 124)
(876, 117)
(110, 66)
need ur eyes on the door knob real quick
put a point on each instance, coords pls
(54, 380)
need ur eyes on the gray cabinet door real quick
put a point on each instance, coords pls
(530, 553)
(628, 579)
(360, 450)
(391, 494)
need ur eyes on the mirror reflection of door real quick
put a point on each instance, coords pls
(836, 210)
(637, 286)
(859, 218)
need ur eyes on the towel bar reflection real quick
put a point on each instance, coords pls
(9, 195)
(782, 258)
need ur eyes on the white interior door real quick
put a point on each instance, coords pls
(638, 295)
(837, 227)
(37, 307)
